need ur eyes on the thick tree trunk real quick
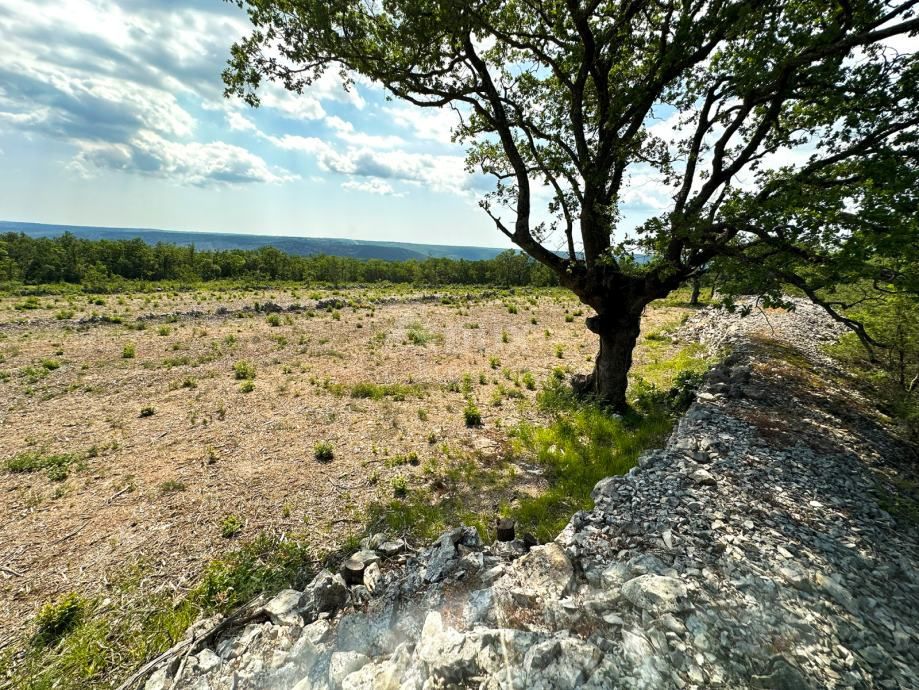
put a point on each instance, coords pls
(696, 289)
(609, 379)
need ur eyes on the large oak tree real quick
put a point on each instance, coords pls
(793, 146)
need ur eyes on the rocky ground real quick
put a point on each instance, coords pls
(750, 552)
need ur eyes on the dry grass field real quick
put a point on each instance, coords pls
(162, 429)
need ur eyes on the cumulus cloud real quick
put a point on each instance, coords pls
(371, 186)
(119, 80)
(431, 124)
(196, 164)
(440, 173)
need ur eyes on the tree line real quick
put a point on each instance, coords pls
(96, 263)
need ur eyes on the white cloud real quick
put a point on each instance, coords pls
(426, 123)
(372, 186)
(210, 164)
(239, 122)
(440, 173)
(345, 131)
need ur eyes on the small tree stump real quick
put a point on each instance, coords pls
(505, 529)
(353, 571)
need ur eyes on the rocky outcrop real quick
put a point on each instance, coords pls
(749, 552)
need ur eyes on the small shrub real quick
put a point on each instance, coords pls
(163, 330)
(147, 411)
(505, 338)
(323, 451)
(129, 351)
(171, 486)
(399, 486)
(247, 386)
(472, 415)
(569, 318)
(51, 364)
(55, 620)
(274, 320)
(244, 371)
(494, 362)
(231, 526)
(529, 381)
(559, 351)
(417, 334)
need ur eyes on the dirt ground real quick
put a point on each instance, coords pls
(157, 488)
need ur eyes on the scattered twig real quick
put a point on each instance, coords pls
(10, 571)
(123, 491)
(72, 534)
(341, 486)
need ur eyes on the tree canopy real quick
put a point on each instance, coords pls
(790, 148)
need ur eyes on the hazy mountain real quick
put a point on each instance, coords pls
(300, 246)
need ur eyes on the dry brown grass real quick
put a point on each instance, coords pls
(157, 488)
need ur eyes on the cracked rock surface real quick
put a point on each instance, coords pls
(749, 552)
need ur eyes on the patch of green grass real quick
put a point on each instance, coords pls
(417, 334)
(82, 642)
(57, 466)
(584, 444)
(129, 351)
(900, 498)
(399, 486)
(661, 370)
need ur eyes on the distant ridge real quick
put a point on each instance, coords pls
(298, 246)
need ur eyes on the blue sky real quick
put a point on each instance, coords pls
(111, 113)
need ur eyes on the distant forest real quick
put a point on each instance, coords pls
(95, 264)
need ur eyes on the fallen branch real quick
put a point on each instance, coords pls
(251, 612)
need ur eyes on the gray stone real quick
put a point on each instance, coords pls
(783, 676)
(372, 575)
(391, 549)
(703, 478)
(656, 594)
(342, 664)
(560, 664)
(367, 557)
(283, 608)
(207, 661)
(326, 593)
(442, 558)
